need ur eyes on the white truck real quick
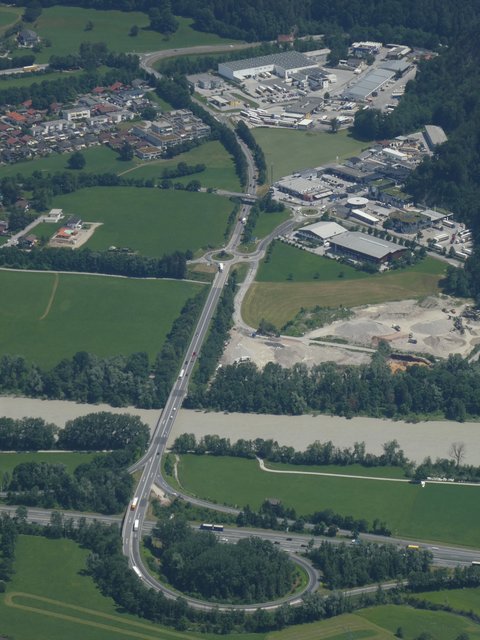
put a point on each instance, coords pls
(136, 525)
(220, 266)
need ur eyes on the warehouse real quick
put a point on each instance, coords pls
(282, 64)
(434, 135)
(320, 231)
(365, 248)
(372, 81)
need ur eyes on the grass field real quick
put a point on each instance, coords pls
(441, 625)
(150, 221)
(7, 82)
(267, 222)
(290, 282)
(443, 513)
(220, 171)
(348, 626)
(303, 149)
(8, 461)
(98, 160)
(8, 16)
(46, 317)
(65, 28)
(349, 470)
(460, 599)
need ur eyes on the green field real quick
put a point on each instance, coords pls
(294, 279)
(8, 461)
(303, 149)
(7, 82)
(65, 28)
(267, 222)
(349, 470)
(446, 513)
(150, 221)
(459, 599)
(46, 317)
(219, 174)
(441, 625)
(98, 160)
(348, 626)
(8, 16)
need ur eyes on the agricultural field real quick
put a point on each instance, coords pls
(445, 513)
(64, 27)
(348, 469)
(267, 222)
(293, 279)
(459, 599)
(439, 624)
(151, 221)
(219, 172)
(9, 82)
(306, 149)
(47, 317)
(8, 461)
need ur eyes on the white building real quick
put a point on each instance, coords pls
(78, 113)
(54, 216)
(320, 231)
(281, 64)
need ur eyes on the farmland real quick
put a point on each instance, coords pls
(293, 279)
(459, 599)
(303, 149)
(150, 221)
(64, 27)
(47, 317)
(439, 512)
(8, 16)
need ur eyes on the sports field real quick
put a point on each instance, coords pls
(438, 512)
(459, 599)
(294, 279)
(46, 317)
(150, 221)
(8, 461)
(287, 151)
(65, 28)
(439, 624)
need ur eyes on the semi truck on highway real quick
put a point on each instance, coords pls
(211, 527)
(220, 266)
(136, 525)
(133, 506)
(181, 374)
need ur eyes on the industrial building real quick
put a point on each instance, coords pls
(281, 64)
(434, 135)
(365, 248)
(307, 189)
(320, 232)
(372, 81)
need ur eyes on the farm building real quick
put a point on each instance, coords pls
(320, 231)
(282, 64)
(365, 248)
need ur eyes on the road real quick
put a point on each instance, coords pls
(9, 72)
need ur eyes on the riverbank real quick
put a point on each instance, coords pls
(417, 440)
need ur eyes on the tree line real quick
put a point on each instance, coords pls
(447, 388)
(355, 565)
(117, 380)
(197, 563)
(245, 134)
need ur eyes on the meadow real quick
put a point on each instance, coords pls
(294, 279)
(64, 27)
(439, 624)
(8, 16)
(8, 461)
(8, 82)
(348, 469)
(303, 149)
(444, 513)
(459, 599)
(267, 222)
(153, 222)
(47, 317)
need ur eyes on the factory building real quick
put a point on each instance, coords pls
(320, 232)
(364, 248)
(283, 65)
(434, 135)
(306, 189)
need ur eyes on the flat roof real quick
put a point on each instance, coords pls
(368, 245)
(324, 229)
(434, 216)
(370, 82)
(435, 134)
(286, 60)
(361, 213)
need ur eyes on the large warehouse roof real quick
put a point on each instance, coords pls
(324, 230)
(286, 60)
(365, 244)
(369, 83)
